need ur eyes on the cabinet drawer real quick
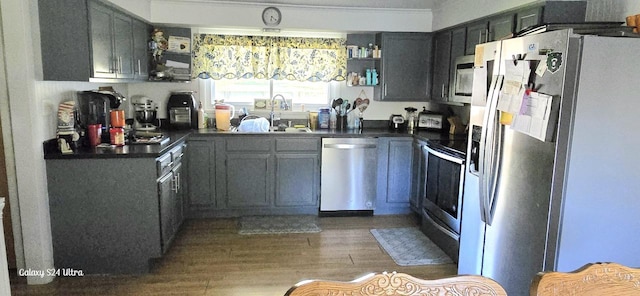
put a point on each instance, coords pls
(164, 164)
(177, 153)
(297, 144)
(261, 144)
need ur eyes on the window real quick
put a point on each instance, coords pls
(242, 92)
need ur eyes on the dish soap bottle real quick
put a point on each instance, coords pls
(202, 117)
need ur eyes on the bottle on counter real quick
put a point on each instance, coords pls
(202, 117)
(333, 119)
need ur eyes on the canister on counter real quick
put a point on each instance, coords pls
(323, 118)
(117, 136)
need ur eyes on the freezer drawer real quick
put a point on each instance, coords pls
(348, 174)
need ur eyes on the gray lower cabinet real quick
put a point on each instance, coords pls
(297, 175)
(248, 180)
(253, 175)
(201, 158)
(170, 194)
(418, 175)
(110, 216)
(394, 175)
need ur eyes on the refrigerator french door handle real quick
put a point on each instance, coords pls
(488, 153)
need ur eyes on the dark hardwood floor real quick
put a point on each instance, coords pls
(209, 258)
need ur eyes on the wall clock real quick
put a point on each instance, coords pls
(271, 16)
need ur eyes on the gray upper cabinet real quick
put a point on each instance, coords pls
(500, 27)
(476, 34)
(86, 40)
(528, 17)
(441, 65)
(405, 67)
(64, 39)
(141, 33)
(488, 30)
(112, 42)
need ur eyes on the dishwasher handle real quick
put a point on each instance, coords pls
(350, 146)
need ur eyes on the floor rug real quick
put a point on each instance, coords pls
(278, 224)
(409, 246)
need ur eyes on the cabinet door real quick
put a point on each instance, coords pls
(441, 66)
(406, 66)
(528, 17)
(102, 41)
(500, 27)
(248, 180)
(297, 179)
(476, 34)
(419, 175)
(166, 189)
(399, 171)
(140, 54)
(123, 45)
(202, 177)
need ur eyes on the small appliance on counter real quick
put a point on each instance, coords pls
(396, 122)
(94, 109)
(145, 110)
(411, 118)
(431, 120)
(182, 110)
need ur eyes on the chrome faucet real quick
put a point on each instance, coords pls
(273, 100)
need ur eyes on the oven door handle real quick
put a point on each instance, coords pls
(444, 156)
(445, 230)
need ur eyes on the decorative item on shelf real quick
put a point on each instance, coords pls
(369, 79)
(158, 43)
(361, 52)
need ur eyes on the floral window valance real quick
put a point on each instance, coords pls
(269, 57)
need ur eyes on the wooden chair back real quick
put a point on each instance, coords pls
(400, 284)
(590, 280)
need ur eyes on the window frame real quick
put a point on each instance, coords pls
(207, 91)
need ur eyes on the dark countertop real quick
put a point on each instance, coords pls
(456, 143)
(127, 151)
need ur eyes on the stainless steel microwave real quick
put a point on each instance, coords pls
(462, 83)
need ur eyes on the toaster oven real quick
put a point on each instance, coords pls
(432, 121)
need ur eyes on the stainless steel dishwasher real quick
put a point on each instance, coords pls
(348, 174)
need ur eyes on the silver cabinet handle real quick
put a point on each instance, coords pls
(385, 89)
(442, 91)
(350, 146)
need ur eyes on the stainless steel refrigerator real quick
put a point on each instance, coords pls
(557, 196)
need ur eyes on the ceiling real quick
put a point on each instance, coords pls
(389, 4)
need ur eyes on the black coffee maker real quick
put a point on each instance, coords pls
(94, 107)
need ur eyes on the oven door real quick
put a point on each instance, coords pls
(444, 188)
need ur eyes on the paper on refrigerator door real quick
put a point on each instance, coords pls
(516, 78)
(534, 117)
